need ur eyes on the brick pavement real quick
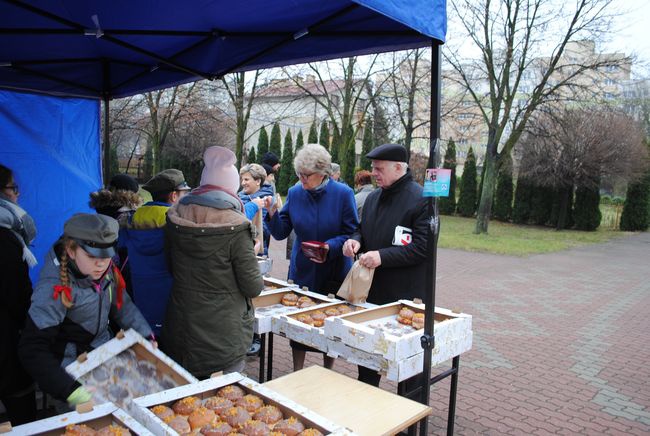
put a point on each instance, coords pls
(560, 340)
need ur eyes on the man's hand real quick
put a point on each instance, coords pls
(270, 205)
(351, 247)
(371, 259)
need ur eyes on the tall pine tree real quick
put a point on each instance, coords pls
(262, 145)
(636, 211)
(252, 157)
(347, 169)
(586, 209)
(275, 145)
(503, 200)
(115, 162)
(299, 144)
(523, 201)
(448, 204)
(467, 198)
(312, 138)
(324, 136)
(336, 144)
(286, 169)
(541, 204)
(366, 146)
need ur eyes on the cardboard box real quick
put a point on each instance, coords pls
(268, 304)
(140, 350)
(288, 326)
(97, 418)
(376, 330)
(208, 388)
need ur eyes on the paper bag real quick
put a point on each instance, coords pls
(357, 284)
(259, 232)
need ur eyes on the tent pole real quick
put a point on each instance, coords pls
(107, 123)
(428, 340)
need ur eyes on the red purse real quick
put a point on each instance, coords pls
(315, 250)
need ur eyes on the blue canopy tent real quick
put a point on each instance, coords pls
(108, 49)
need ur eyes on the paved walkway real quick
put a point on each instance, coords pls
(561, 341)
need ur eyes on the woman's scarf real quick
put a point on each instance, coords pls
(16, 219)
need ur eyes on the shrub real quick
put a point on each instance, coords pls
(467, 199)
(586, 213)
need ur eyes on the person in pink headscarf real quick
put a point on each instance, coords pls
(209, 321)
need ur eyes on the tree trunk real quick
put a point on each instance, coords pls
(562, 211)
(485, 204)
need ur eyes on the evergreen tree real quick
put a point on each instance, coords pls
(324, 136)
(503, 201)
(312, 138)
(563, 199)
(586, 211)
(262, 145)
(299, 143)
(447, 205)
(275, 144)
(347, 170)
(523, 201)
(636, 211)
(252, 157)
(336, 144)
(541, 204)
(286, 169)
(114, 167)
(148, 163)
(367, 146)
(380, 127)
(467, 197)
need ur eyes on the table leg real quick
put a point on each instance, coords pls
(451, 417)
(260, 377)
(269, 368)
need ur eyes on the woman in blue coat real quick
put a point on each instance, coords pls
(318, 209)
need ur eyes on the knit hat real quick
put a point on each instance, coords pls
(270, 159)
(268, 169)
(123, 182)
(95, 233)
(219, 169)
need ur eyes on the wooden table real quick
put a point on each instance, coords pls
(364, 409)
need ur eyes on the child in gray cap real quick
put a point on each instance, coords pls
(79, 290)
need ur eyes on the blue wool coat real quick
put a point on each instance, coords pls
(328, 214)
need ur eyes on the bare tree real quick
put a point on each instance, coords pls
(578, 148)
(514, 76)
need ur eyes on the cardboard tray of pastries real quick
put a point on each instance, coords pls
(275, 302)
(307, 325)
(106, 420)
(393, 330)
(126, 367)
(271, 283)
(227, 403)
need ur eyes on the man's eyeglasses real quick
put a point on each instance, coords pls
(12, 187)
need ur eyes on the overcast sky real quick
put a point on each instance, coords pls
(632, 29)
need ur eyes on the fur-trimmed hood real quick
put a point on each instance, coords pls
(112, 202)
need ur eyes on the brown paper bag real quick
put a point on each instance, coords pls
(357, 284)
(259, 237)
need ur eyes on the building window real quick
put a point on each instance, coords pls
(611, 68)
(464, 116)
(609, 96)
(610, 82)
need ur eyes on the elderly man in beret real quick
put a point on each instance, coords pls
(392, 234)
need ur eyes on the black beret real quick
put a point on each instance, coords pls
(392, 152)
(268, 168)
(270, 159)
(124, 182)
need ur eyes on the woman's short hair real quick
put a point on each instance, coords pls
(313, 158)
(362, 177)
(256, 171)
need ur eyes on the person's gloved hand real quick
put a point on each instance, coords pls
(80, 395)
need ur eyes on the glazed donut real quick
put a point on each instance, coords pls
(232, 392)
(186, 405)
(201, 417)
(418, 321)
(250, 402)
(79, 430)
(332, 311)
(289, 299)
(343, 309)
(305, 301)
(268, 414)
(236, 417)
(303, 317)
(113, 430)
(217, 428)
(290, 426)
(319, 318)
(179, 424)
(405, 315)
(253, 427)
(162, 411)
(218, 404)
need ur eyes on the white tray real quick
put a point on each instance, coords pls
(268, 304)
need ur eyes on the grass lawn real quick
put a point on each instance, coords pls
(515, 240)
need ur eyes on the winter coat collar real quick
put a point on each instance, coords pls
(398, 184)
